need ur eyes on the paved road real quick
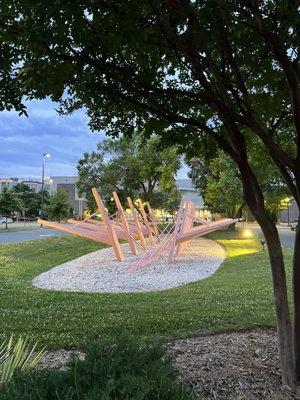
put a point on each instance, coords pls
(287, 236)
(32, 234)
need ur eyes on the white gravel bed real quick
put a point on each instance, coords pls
(100, 272)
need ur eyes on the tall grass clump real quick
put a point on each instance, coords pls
(16, 356)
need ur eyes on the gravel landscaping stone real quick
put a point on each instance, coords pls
(100, 272)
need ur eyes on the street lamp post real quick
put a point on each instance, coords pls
(45, 155)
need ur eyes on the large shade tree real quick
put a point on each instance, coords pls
(59, 206)
(218, 182)
(131, 167)
(31, 199)
(9, 203)
(192, 71)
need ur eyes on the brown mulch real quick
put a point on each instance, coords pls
(235, 365)
(232, 366)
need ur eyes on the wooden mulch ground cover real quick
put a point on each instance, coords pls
(235, 365)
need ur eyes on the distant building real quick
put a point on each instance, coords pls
(68, 184)
(188, 190)
(4, 182)
(33, 184)
(290, 214)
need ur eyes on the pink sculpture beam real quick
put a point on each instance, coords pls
(139, 227)
(87, 233)
(124, 224)
(173, 244)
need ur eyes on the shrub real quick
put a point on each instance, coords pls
(120, 370)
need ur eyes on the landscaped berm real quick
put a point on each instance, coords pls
(217, 331)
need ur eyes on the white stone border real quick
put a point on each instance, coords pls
(99, 272)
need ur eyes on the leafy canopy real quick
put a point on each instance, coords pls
(218, 182)
(59, 206)
(31, 199)
(131, 167)
(9, 203)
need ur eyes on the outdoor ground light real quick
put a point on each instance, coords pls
(247, 233)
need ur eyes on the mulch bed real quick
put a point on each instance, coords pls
(235, 365)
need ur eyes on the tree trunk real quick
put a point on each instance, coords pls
(6, 226)
(296, 294)
(284, 327)
(255, 202)
(296, 289)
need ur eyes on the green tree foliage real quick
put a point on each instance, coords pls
(131, 167)
(220, 188)
(9, 203)
(59, 206)
(219, 183)
(31, 199)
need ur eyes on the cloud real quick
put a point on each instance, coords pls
(24, 140)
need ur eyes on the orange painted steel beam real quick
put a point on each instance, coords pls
(97, 236)
(99, 227)
(146, 222)
(204, 229)
(187, 223)
(110, 228)
(87, 225)
(94, 221)
(177, 228)
(152, 219)
(125, 224)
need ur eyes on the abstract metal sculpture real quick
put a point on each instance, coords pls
(171, 242)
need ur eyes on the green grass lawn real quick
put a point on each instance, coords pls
(238, 296)
(18, 226)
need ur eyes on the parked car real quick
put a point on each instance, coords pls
(3, 220)
(294, 224)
